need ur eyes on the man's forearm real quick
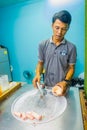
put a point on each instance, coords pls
(39, 68)
(70, 73)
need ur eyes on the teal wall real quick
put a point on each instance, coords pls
(23, 26)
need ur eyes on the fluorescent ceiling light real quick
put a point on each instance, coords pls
(63, 2)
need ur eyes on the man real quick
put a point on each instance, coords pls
(57, 55)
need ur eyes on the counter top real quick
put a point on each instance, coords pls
(71, 119)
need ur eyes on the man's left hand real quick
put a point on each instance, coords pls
(60, 88)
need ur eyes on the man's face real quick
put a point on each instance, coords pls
(59, 29)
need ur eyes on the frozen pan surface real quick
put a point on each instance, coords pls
(49, 106)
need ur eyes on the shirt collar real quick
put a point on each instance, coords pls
(62, 42)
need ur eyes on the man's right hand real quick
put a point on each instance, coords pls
(35, 80)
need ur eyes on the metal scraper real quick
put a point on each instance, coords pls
(42, 90)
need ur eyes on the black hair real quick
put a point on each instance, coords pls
(63, 16)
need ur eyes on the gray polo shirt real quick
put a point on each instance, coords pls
(56, 60)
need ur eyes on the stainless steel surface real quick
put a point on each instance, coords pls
(71, 119)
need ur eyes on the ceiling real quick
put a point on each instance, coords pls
(4, 3)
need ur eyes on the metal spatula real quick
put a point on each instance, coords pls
(43, 92)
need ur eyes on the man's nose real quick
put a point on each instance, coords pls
(60, 31)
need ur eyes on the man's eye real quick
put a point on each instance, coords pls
(57, 27)
(64, 29)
